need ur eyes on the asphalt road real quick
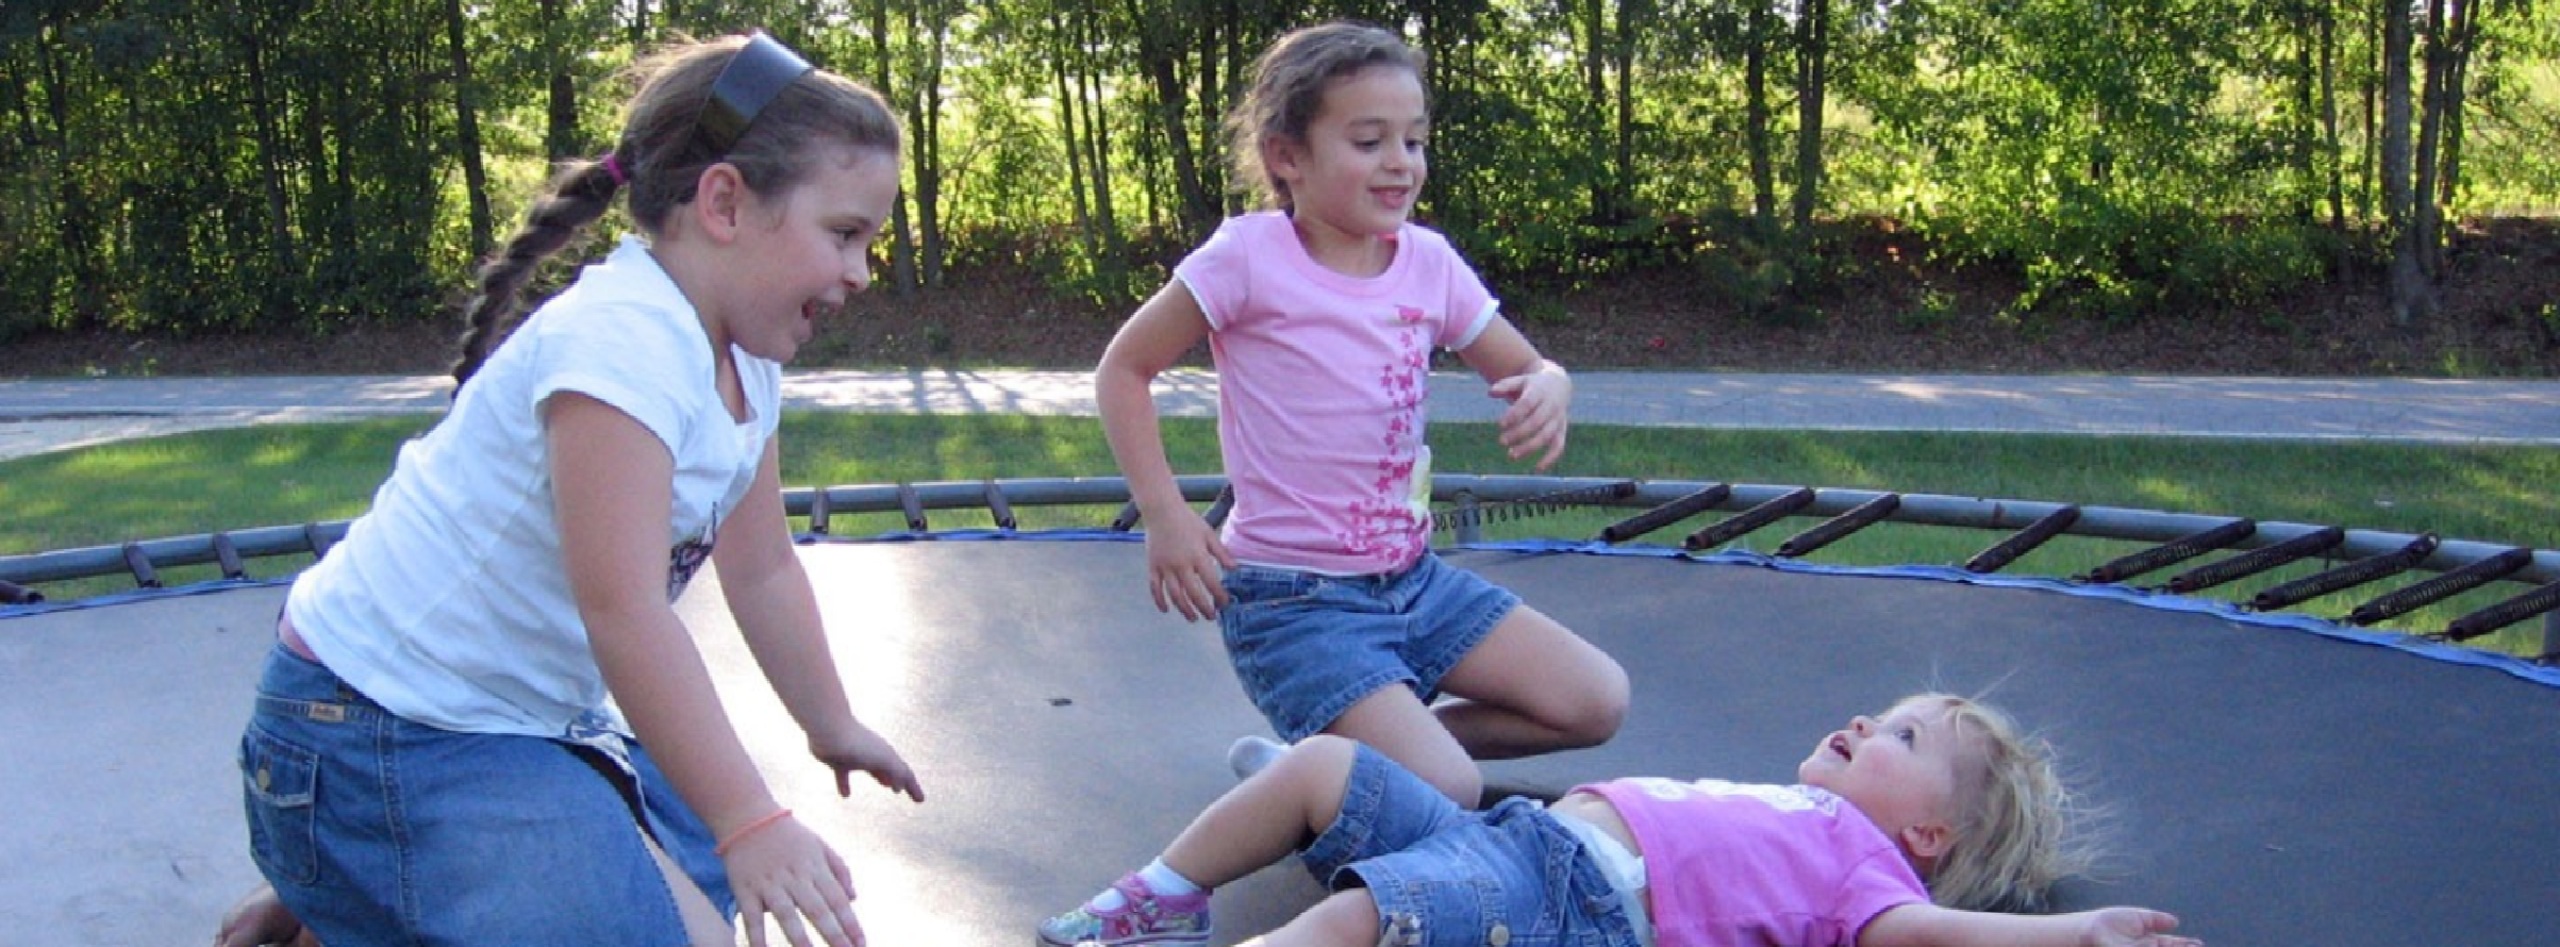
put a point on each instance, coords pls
(48, 414)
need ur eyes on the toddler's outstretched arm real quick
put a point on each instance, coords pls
(1540, 392)
(1928, 925)
(1185, 559)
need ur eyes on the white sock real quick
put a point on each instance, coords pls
(1160, 878)
(1253, 754)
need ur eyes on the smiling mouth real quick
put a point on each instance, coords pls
(1839, 744)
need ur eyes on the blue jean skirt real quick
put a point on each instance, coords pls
(1449, 877)
(1307, 646)
(378, 830)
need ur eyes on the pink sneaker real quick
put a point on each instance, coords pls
(1146, 918)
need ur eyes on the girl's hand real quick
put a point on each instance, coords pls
(2133, 927)
(1186, 565)
(1536, 420)
(784, 871)
(865, 751)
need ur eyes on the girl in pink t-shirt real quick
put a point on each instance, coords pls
(1321, 316)
(1914, 827)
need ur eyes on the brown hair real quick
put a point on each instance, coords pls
(1289, 82)
(661, 155)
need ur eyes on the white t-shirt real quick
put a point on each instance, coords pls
(449, 602)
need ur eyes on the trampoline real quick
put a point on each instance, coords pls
(2270, 778)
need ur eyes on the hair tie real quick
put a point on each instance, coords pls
(613, 169)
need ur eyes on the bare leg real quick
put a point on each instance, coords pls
(1266, 817)
(702, 921)
(1397, 724)
(1347, 919)
(1533, 687)
(260, 919)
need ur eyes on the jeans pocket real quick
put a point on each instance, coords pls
(280, 782)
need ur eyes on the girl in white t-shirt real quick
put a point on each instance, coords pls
(448, 744)
(1915, 827)
(1321, 316)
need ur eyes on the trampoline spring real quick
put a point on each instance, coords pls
(2170, 553)
(2354, 573)
(2256, 561)
(1126, 519)
(12, 593)
(1726, 530)
(2441, 587)
(1713, 495)
(139, 563)
(1470, 514)
(2542, 598)
(227, 554)
(819, 511)
(998, 507)
(912, 504)
(1224, 504)
(2024, 541)
(1830, 530)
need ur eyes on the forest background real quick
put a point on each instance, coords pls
(2290, 186)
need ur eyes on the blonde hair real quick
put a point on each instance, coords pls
(1289, 82)
(2013, 835)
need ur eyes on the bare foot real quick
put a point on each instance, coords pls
(259, 920)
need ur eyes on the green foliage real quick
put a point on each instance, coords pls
(220, 167)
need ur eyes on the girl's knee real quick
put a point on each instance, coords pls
(1601, 708)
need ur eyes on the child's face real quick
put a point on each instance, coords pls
(1899, 770)
(1360, 166)
(805, 253)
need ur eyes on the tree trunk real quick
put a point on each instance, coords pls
(1755, 120)
(2457, 96)
(560, 137)
(1097, 139)
(1813, 41)
(902, 243)
(2331, 152)
(1069, 131)
(2424, 213)
(1160, 59)
(2305, 130)
(75, 223)
(1596, 93)
(1622, 174)
(475, 178)
(280, 249)
(2411, 297)
(927, 133)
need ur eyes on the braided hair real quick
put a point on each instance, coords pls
(658, 161)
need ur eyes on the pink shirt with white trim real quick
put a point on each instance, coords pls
(1732, 864)
(1321, 382)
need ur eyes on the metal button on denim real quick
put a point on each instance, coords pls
(1498, 936)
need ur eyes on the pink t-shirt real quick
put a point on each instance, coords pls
(1731, 864)
(1321, 381)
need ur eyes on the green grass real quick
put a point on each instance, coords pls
(289, 474)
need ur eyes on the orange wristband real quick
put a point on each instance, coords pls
(748, 829)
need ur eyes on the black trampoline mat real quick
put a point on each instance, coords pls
(2268, 785)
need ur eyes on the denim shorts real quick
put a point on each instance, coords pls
(378, 830)
(1307, 646)
(1450, 877)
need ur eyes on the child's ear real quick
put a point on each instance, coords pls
(1927, 840)
(1280, 157)
(719, 196)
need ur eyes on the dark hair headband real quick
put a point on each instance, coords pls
(759, 71)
